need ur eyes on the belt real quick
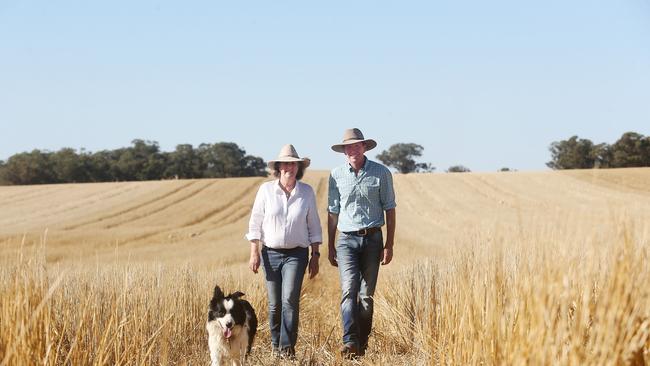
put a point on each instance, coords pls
(364, 231)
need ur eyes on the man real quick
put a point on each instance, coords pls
(359, 194)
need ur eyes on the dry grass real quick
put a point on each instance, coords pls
(490, 269)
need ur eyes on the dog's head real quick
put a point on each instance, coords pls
(228, 311)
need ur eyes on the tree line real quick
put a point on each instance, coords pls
(629, 151)
(143, 160)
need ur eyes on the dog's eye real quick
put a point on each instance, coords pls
(221, 313)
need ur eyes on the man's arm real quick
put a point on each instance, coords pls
(332, 222)
(387, 254)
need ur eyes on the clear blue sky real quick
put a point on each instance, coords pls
(486, 84)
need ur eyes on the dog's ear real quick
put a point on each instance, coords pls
(218, 294)
(237, 295)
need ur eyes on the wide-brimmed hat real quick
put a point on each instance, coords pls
(288, 154)
(352, 136)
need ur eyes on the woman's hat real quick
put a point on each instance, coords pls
(288, 154)
(352, 136)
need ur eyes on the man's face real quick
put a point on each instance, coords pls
(354, 152)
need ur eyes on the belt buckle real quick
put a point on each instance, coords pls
(362, 232)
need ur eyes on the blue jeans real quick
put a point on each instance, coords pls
(284, 269)
(358, 258)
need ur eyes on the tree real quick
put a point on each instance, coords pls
(400, 156)
(102, 166)
(254, 166)
(631, 150)
(184, 163)
(142, 161)
(68, 166)
(29, 168)
(458, 169)
(573, 153)
(3, 180)
(226, 159)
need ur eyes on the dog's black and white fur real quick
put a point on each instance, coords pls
(231, 325)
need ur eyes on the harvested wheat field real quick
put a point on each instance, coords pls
(496, 268)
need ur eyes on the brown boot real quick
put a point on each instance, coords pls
(349, 351)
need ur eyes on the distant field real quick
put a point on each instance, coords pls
(494, 268)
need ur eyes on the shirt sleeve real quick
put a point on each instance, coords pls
(313, 221)
(257, 217)
(333, 196)
(387, 192)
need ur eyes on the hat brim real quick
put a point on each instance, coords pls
(340, 148)
(305, 162)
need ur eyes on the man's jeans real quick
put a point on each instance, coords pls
(358, 258)
(284, 269)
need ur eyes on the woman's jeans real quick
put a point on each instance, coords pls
(284, 269)
(358, 258)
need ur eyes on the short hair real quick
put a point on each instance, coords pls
(299, 174)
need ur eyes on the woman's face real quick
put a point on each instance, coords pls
(288, 170)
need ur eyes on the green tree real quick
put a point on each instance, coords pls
(631, 150)
(573, 153)
(141, 161)
(184, 162)
(3, 180)
(102, 166)
(226, 159)
(254, 166)
(29, 168)
(68, 166)
(400, 156)
(458, 169)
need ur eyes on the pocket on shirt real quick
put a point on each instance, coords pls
(371, 187)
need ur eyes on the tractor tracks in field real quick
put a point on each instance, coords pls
(131, 208)
(217, 210)
(161, 208)
(235, 213)
(79, 203)
(35, 194)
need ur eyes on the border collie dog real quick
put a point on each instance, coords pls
(231, 325)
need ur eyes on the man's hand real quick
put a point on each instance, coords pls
(313, 266)
(331, 255)
(332, 221)
(386, 255)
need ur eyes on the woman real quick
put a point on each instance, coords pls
(284, 222)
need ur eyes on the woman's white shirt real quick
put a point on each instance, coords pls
(282, 223)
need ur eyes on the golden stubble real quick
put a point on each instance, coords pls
(501, 268)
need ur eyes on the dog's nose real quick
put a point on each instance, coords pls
(228, 324)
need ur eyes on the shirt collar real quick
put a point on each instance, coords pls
(278, 189)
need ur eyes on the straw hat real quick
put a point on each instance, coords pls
(288, 154)
(352, 136)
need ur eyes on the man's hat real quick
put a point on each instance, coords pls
(352, 136)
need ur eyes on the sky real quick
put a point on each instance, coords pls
(481, 84)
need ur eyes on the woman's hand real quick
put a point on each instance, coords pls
(254, 261)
